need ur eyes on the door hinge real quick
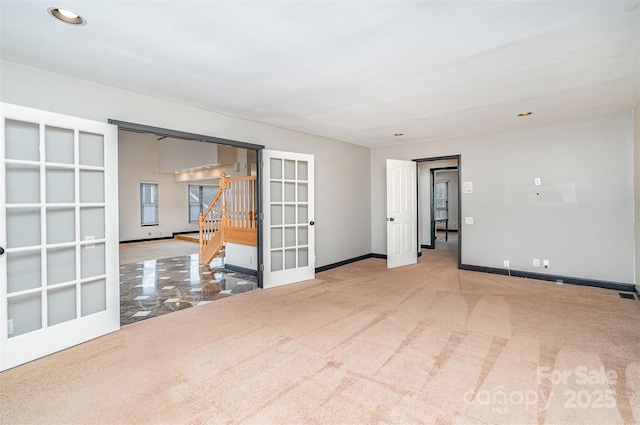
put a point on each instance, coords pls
(261, 164)
(261, 216)
(261, 267)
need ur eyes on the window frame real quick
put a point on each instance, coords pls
(155, 203)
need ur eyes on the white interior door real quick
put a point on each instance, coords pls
(402, 217)
(58, 232)
(288, 227)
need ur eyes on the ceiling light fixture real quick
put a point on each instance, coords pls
(65, 15)
(399, 134)
(524, 114)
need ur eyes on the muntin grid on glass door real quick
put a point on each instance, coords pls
(55, 220)
(289, 209)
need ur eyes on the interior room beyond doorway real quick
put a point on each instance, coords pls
(165, 184)
(439, 203)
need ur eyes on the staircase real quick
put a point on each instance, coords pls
(231, 217)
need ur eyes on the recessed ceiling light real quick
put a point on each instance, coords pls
(399, 134)
(524, 114)
(66, 15)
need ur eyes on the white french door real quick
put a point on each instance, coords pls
(402, 218)
(58, 232)
(288, 226)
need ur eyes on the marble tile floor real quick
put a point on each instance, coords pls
(152, 288)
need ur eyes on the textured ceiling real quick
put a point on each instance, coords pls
(353, 71)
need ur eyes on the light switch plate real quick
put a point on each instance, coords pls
(537, 181)
(468, 220)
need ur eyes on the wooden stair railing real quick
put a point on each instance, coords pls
(231, 217)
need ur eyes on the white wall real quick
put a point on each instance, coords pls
(138, 162)
(176, 154)
(343, 218)
(241, 255)
(581, 218)
(636, 136)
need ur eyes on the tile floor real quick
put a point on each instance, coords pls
(152, 288)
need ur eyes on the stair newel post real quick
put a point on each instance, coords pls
(223, 217)
(201, 227)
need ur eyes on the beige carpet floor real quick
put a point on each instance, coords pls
(360, 344)
(133, 252)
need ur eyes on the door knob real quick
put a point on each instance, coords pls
(1, 250)
(311, 223)
(391, 219)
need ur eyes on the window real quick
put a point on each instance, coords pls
(442, 201)
(199, 199)
(149, 204)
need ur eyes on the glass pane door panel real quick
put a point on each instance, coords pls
(92, 260)
(303, 257)
(289, 214)
(303, 170)
(303, 214)
(58, 145)
(61, 225)
(23, 184)
(25, 313)
(61, 265)
(23, 227)
(276, 169)
(303, 192)
(22, 140)
(289, 192)
(276, 237)
(94, 297)
(276, 214)
(91, 187)
(61, 305)
(289, 169)
(276, 191)
(289, 236)
(91, 149)
(24, 270)
(276, 260)
(91, 223)
(60, 186)
(290, 259)
(303, 235)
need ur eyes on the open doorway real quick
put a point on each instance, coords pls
(439, 204)
(167, 186)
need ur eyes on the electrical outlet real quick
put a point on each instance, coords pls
(536, 262)
(545, 263)
(506, 263)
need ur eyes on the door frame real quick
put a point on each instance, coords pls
(457, 157)
(177, 134)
